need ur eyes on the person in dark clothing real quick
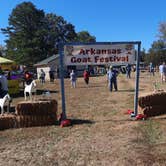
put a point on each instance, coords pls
(151, 68)
(128, 71)
(51, 75)
(112, 75)
(9, 75)
(3, 84)
(42, 76)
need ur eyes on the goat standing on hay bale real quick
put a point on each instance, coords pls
(31, 88)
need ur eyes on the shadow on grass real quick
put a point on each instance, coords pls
(128, 90)
(90, 86)
(158, 117)
(76, 122)
(119, 120)
(81, 121)
(40, 91)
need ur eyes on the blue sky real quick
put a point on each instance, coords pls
(107, 20)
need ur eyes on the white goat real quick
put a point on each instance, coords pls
(5, 100)
(31, 88)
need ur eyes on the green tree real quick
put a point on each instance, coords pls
(162, 31)
(2, 50)
(25, 34)
(143, 55)
(85, 37)
(157, 52)
(57, 30)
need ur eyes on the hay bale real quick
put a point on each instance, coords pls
(37, 108)
(154, 110)
(29, 114)
(32, 121)
(158, 98)
(8, 121)
(52, 102)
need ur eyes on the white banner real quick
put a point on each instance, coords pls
(99, 54)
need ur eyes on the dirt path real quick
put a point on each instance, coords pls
(102, 134)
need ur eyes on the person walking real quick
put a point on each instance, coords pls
(162, 70)
(107, 76)
(73, 79)
(3, 84)
(151, 68)
(28, 78)
(86, 76)
(42, 76)
(128, 71)
(51, 75)
(112, 75)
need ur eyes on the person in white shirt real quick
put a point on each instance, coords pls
(73, 79)
(112, 75)
(3, 84)
(162, 70)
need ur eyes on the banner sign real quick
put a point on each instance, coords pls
(99, 54)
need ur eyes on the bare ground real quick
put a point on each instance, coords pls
(101, 134)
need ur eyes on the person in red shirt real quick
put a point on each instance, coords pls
(28, 77)
(86, 76)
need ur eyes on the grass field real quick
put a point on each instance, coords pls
(101, 134)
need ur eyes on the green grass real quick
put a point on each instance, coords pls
(150, 132)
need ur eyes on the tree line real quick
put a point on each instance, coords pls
(157, 53)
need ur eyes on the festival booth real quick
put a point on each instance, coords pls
(7, 66)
